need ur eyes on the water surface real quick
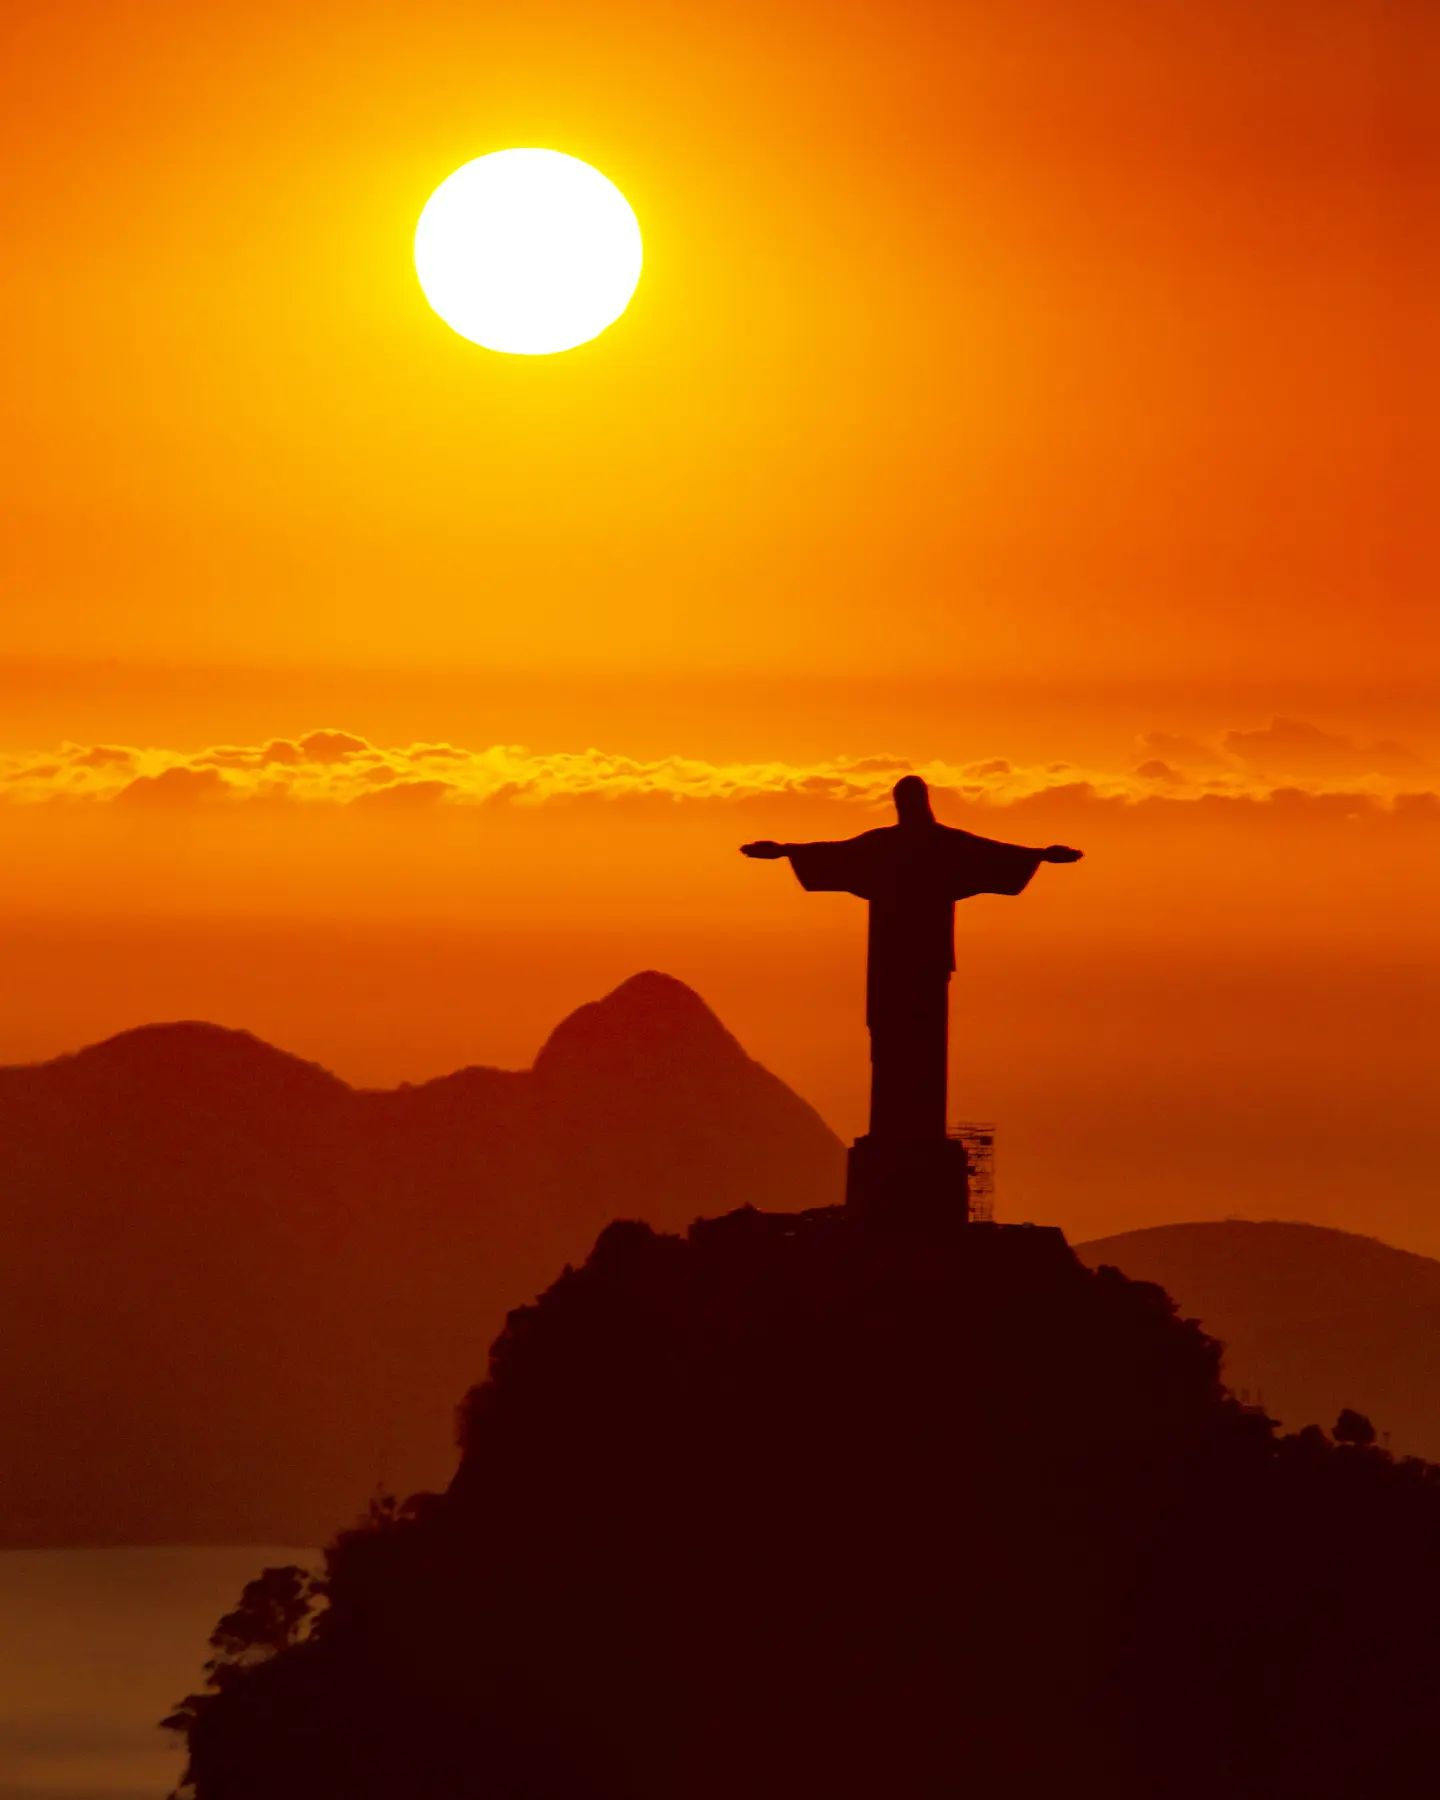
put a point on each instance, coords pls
(97, 1647)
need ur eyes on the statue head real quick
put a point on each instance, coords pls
(912, 801)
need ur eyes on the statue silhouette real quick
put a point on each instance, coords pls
(911, 873)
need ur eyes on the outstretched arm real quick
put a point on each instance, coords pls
(822, 868)
(1052, 853)
(981, 865)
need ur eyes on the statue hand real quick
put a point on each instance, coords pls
(1061, 853)
(765, 850)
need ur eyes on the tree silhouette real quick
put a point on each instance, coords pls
(1353, 1428)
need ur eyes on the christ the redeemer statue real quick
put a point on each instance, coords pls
(912, 873)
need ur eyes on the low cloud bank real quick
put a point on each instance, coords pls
(338, 768)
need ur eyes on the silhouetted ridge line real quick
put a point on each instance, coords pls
(1259, 1248)
(647, 1014)
(251, 1290)
(646, 1018)
(1312, 1318)
(156, 1049)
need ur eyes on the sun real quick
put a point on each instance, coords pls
(528, 251)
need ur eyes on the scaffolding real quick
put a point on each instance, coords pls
(979, 1142)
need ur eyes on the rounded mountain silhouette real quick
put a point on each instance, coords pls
(1312, 1319)
(238, 1294)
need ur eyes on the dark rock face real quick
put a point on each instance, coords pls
(1312, 1319)
(236, 1293)
(788, 1506)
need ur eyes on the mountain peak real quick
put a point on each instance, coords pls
(194, 1049)
(651, 990)
(650, 1018)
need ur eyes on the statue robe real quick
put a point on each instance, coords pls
(911, 875)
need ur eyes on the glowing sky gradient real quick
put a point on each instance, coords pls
(1034, 393)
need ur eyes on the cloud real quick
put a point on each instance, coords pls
(1293, 747)
(331, 746)
(340, 769)
(1187, 752)
(404, 796)
(177, 786)
(879, 765)
(100, 756)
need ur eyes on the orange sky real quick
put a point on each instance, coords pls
(1005, 382)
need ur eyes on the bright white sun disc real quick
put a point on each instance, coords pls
(528, 251)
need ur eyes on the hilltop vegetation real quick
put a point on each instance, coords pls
(785, 1507)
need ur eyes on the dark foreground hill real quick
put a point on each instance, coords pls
(1311, 1319)
(784, 1508)
(233, 1289)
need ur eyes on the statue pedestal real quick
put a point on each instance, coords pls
(908, 1181)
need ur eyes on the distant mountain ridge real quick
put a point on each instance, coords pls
(237, 1292)
(1312, 1318)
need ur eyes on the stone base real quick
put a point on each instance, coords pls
(908, 1181)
